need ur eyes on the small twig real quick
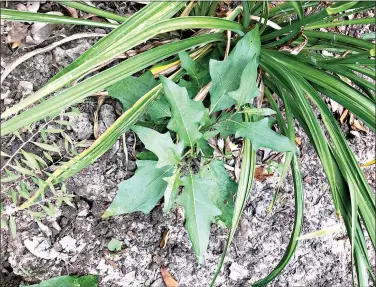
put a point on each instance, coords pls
(228, 43)
(125, 148)
(27, 56)
(260, 98)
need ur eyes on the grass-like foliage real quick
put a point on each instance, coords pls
(272, 52)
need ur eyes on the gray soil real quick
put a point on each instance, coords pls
(75, 241)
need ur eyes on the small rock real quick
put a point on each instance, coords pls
(25, 88)
(107, 118)
(308, 180)
(237, 272)
(68, 243)
(41, 247)
(78, 50)
(131, 165)
(82, 126)
(5, 94)
(100, 31)
(158, 259)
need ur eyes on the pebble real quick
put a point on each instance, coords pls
(237, 271)
(82, 126)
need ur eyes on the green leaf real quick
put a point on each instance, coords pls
(261, 135)
(30, 160)
(11, 177)
(187, 115)
(191, 87)
(200, 76)
(205, 149)
(227, 124)
(158, 109)
(248, 84)
(129, 90)
(142, 191)
(161, 145)
(47, 147)
(68, 281)
(226, 74)
(114, 245)
(199, 212)
(172, 190)
(222, 193)
(146, 155)
(22, 169)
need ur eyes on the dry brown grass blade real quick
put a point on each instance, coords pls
(203, 92)
(344, 115)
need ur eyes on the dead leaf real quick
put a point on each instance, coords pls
(73, 12)
(17, 34)
(343, 116)
(163, 242)
(229, 167)
(230, 147)
(39, 32)
(41, 247)
(298, 140)
(261, 174)
(355, 133)
(334, 105)
(221, 144)
(167, 278)
(351, 120)
(358, 126)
